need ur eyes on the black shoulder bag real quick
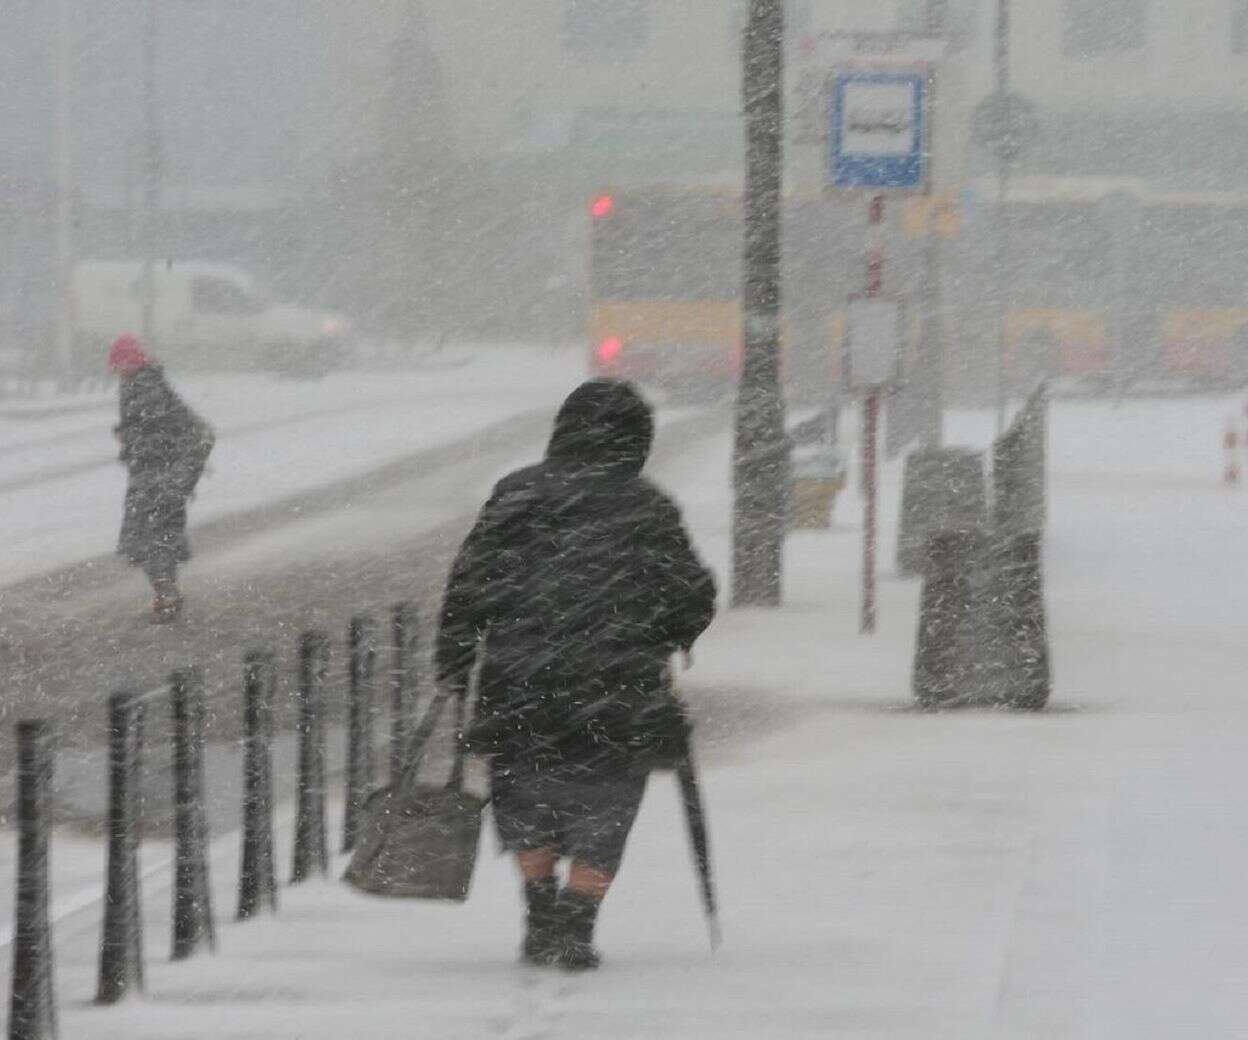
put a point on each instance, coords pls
(419, 840)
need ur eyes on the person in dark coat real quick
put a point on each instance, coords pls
(164, 446)
(572, 592)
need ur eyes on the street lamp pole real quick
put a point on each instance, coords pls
(64, 189)
(1002, 66)
(152, 163)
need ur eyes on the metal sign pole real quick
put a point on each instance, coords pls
(870, 424)
(878, 142)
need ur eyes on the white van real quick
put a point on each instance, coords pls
(210, 316)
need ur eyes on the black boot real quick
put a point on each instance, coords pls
(541, 936)
(577, 913)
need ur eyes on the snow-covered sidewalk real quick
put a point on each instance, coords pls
(882, 872)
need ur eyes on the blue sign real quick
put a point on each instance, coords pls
(879, 130)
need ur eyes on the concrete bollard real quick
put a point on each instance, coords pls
(121, 945)
(32, 1000)
(943, 489)
(257, 881)
(404, 631)
(192, 894)
(942, 655)
(360, 772)
(1026, 677)
(311, 848)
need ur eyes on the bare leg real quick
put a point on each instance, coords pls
(536, 864)
(589, 881)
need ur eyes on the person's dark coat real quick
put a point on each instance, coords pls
(164, 446)
(574, 588)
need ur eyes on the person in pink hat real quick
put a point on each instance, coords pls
(164, 446)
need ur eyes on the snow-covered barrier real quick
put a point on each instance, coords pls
(943, 490)
(982, 634)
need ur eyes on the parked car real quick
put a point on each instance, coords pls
(211, 316)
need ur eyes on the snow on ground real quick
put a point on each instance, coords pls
(882, 872)
(61, 487)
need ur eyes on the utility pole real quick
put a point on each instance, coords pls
(760, 457)
(64, 189)
(1002, 67)
(152, 155)
(933, 406)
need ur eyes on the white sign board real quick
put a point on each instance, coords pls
(873, 330)
(895, 48)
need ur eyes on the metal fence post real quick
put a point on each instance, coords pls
(360, 770)
(192, 900)
(257, 882)
(121, 946)
(32, 1001)
(311, 850)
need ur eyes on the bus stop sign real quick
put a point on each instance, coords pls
(879, 129)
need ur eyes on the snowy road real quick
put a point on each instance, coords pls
(883, 873)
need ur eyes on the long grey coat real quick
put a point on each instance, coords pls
(164, 445)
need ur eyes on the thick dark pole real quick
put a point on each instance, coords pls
(257, 882)
(192, 899)
(311, 848)
(760, 461)
(32, 1001)
(404, 626)
(121, 947)
(360, 771)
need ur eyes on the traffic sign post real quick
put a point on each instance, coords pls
(877, 143)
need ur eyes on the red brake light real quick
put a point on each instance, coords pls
(609, 349)
(602, 206)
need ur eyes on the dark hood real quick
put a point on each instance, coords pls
(603, 424)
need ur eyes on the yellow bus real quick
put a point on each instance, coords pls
(665, 279)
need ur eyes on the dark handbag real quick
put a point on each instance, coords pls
(419, 840)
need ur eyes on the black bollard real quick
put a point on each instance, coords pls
(942, 667)
(121, 947)
(1023, 638)
(360, 770)
(32, 1001)
(404, 628)
(311, 849)
(257, 882)
(192, 899)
